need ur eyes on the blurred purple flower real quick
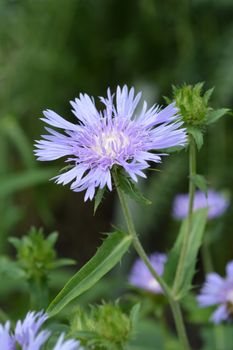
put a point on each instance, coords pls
(141, 277)
(27, 335)
(218, 291)
(215, 201)
(115, 136)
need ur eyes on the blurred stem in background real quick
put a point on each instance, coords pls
(39, 294)
(140, 250)
(206, 256)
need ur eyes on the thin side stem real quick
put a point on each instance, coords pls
(192, 187)
(140, 250)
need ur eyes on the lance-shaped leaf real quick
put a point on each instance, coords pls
(197, 135)
(194, 243)
(106, 257)
(129, 188)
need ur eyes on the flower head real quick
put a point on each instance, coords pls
(115, 136)
(218, 291)
(141, 277)
(215, 201)
(28, 335)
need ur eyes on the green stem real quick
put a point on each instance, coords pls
(38, 294)
(219, 337)
(183, 253)
(140, 250)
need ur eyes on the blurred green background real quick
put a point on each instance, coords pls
(51, 50)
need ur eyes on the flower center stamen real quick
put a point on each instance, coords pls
(110, 144)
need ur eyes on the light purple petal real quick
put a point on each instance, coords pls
(220, 314)
(66, 344)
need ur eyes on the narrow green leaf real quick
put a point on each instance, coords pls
(63, 262)
(195, 239)
(129, 188)
(10, 269)
(200, 182)
(16, 242)
(106, 257)
(215, 115)
(11, 128)
(197, 135)
(18, 182)
(65, 168)
(134, 315)
(98, 198)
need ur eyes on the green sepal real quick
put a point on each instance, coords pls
(66, 168)
(106, 257)
(214, 115)
(98, 198)
(208, 94)
(194, 243)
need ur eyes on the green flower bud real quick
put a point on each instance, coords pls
(192, 103)
(106, 326)
(36, 254)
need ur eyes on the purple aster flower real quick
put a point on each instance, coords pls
(114, 136)
(26, 331)
(28, 336)
(215, 201)
(6, 339)
(218, 291)
(141, 277)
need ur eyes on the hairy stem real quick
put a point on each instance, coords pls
(183, 253)
(140, 250)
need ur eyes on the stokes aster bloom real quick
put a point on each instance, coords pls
(114, 136)
(141, 277)
(215, 201)
(218, 291)
(27, 335)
